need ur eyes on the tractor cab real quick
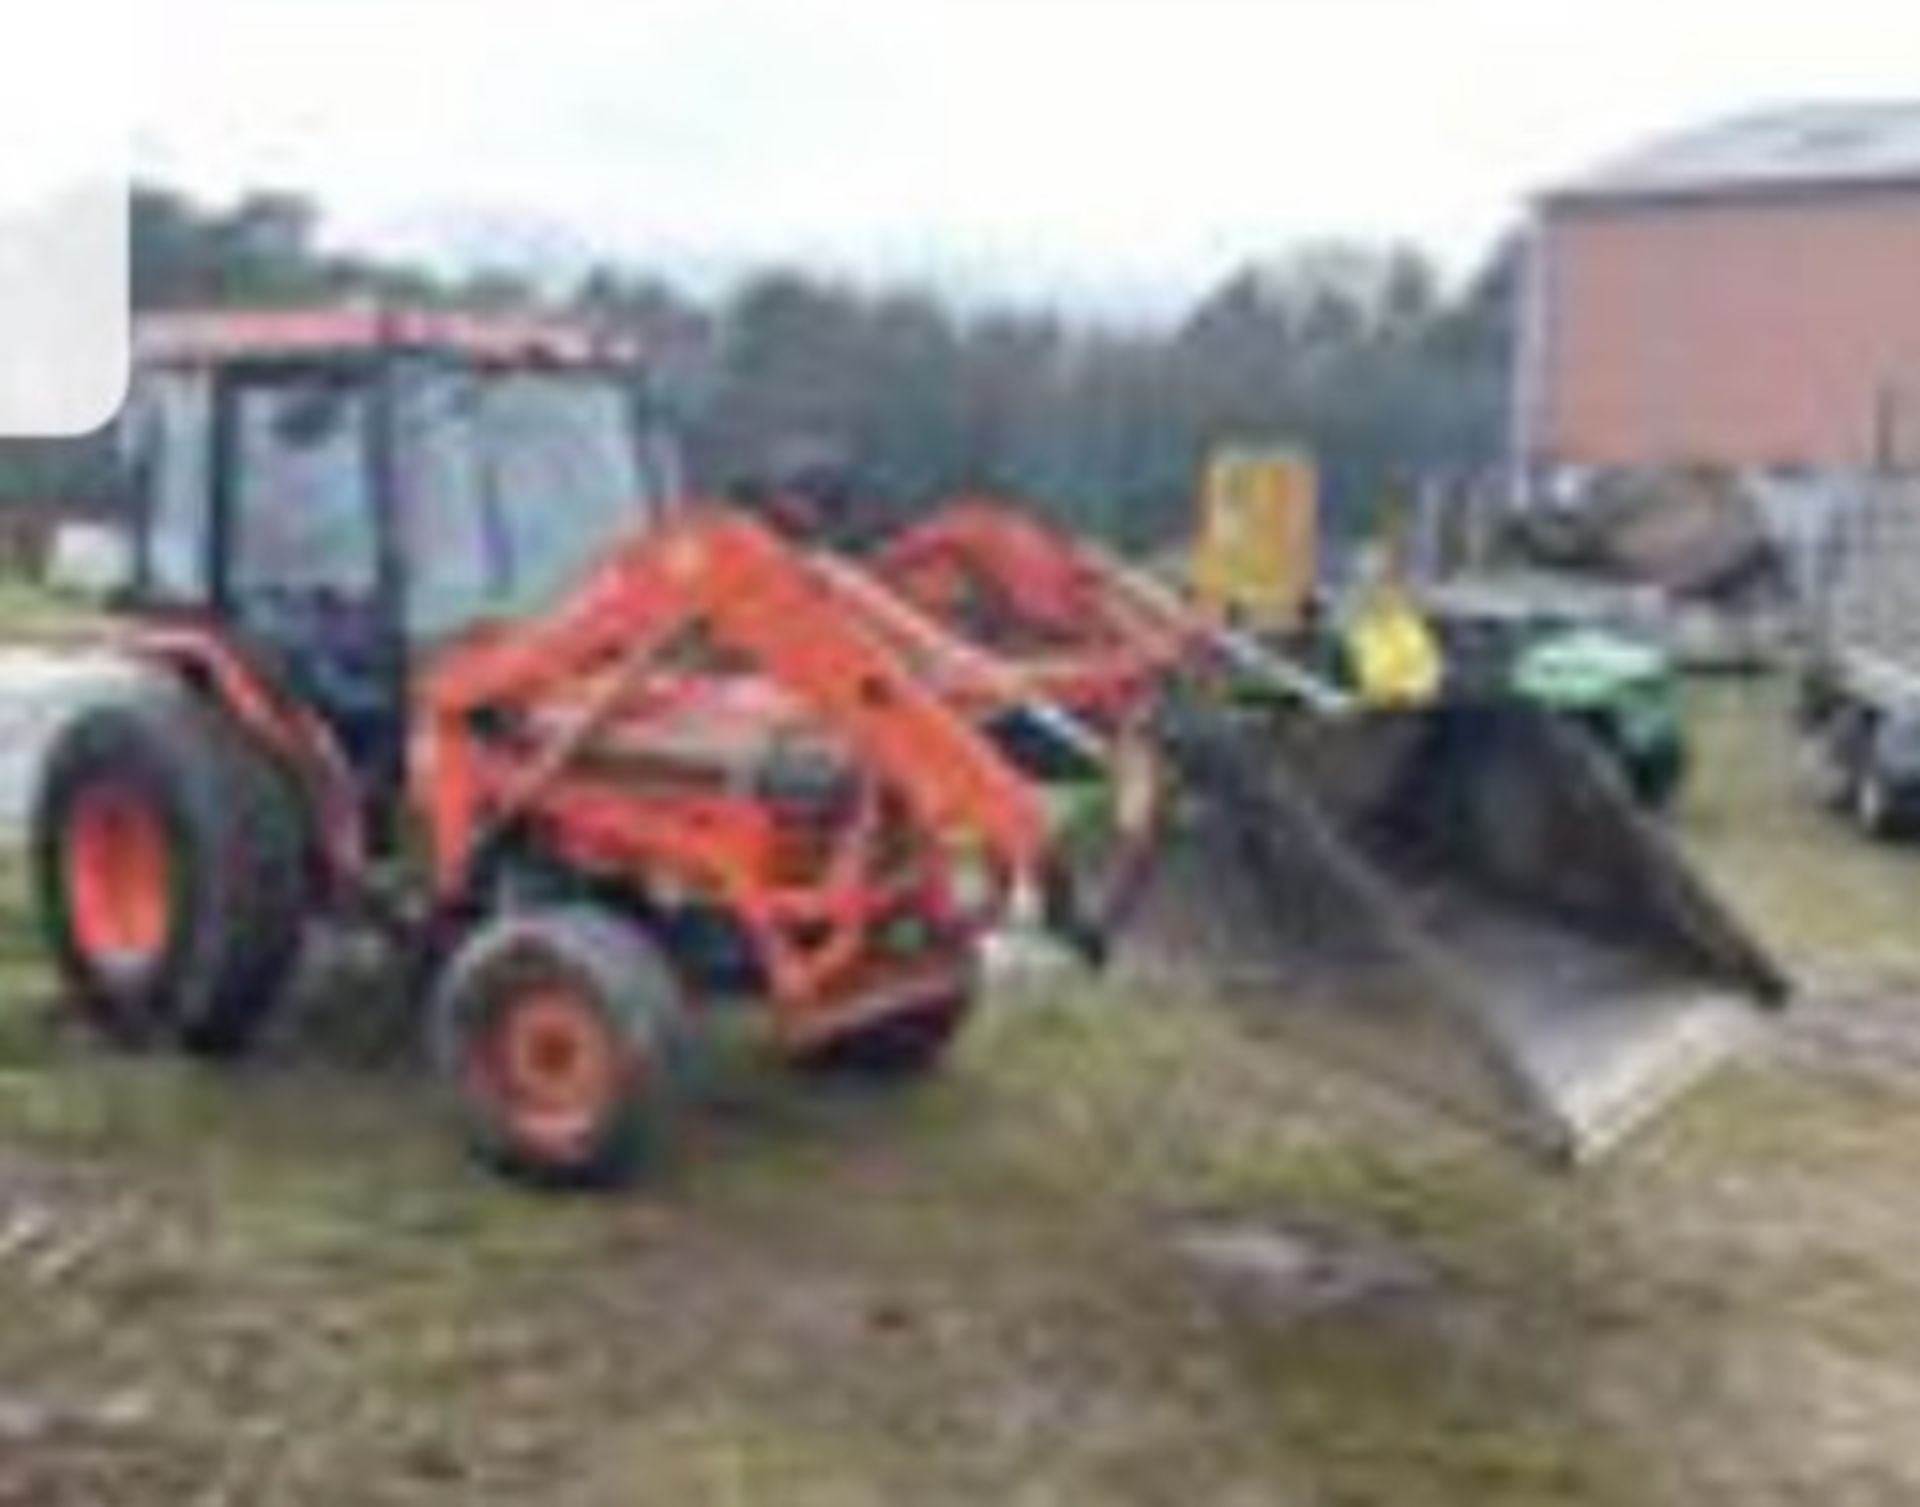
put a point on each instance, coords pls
(341, 490)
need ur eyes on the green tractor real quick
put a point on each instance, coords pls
(1623, 690)
(1615, 683)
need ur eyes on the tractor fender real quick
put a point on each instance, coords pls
(211, 665)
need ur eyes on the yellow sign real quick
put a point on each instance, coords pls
(1254, 559)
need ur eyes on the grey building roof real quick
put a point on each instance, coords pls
(1785, 149)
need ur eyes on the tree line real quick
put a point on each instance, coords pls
(1360, 353)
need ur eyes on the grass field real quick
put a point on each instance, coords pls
(28, 608)
(1119, 1255)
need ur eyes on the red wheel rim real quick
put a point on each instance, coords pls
(119, 870)
(551, 1068)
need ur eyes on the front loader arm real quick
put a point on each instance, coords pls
(1042, 577)
(729, 582)
(1079, 588)
(1033, 573)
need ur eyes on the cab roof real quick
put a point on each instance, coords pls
(279, 336)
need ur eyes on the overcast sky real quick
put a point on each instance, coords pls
(1119, 153)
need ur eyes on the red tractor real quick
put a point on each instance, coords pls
(426, 636)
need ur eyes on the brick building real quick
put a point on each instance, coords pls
(1743, 295)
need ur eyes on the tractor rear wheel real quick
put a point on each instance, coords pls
(171, 871)
(563, 1034)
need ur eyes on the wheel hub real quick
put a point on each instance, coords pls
(119, 877)
(552, 1067)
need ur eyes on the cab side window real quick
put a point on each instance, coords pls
(304, 517)
(169, 455)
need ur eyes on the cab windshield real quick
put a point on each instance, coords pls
(515, 481)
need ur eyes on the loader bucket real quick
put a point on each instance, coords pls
(1464, 899)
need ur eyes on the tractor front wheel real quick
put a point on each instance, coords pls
(562, 1033)
(170, 867)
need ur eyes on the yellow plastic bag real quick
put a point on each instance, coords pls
(1395, 657)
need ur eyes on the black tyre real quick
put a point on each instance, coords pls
(1848, 775)
(563, 1035)
(900, 1047)
(170, 864)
